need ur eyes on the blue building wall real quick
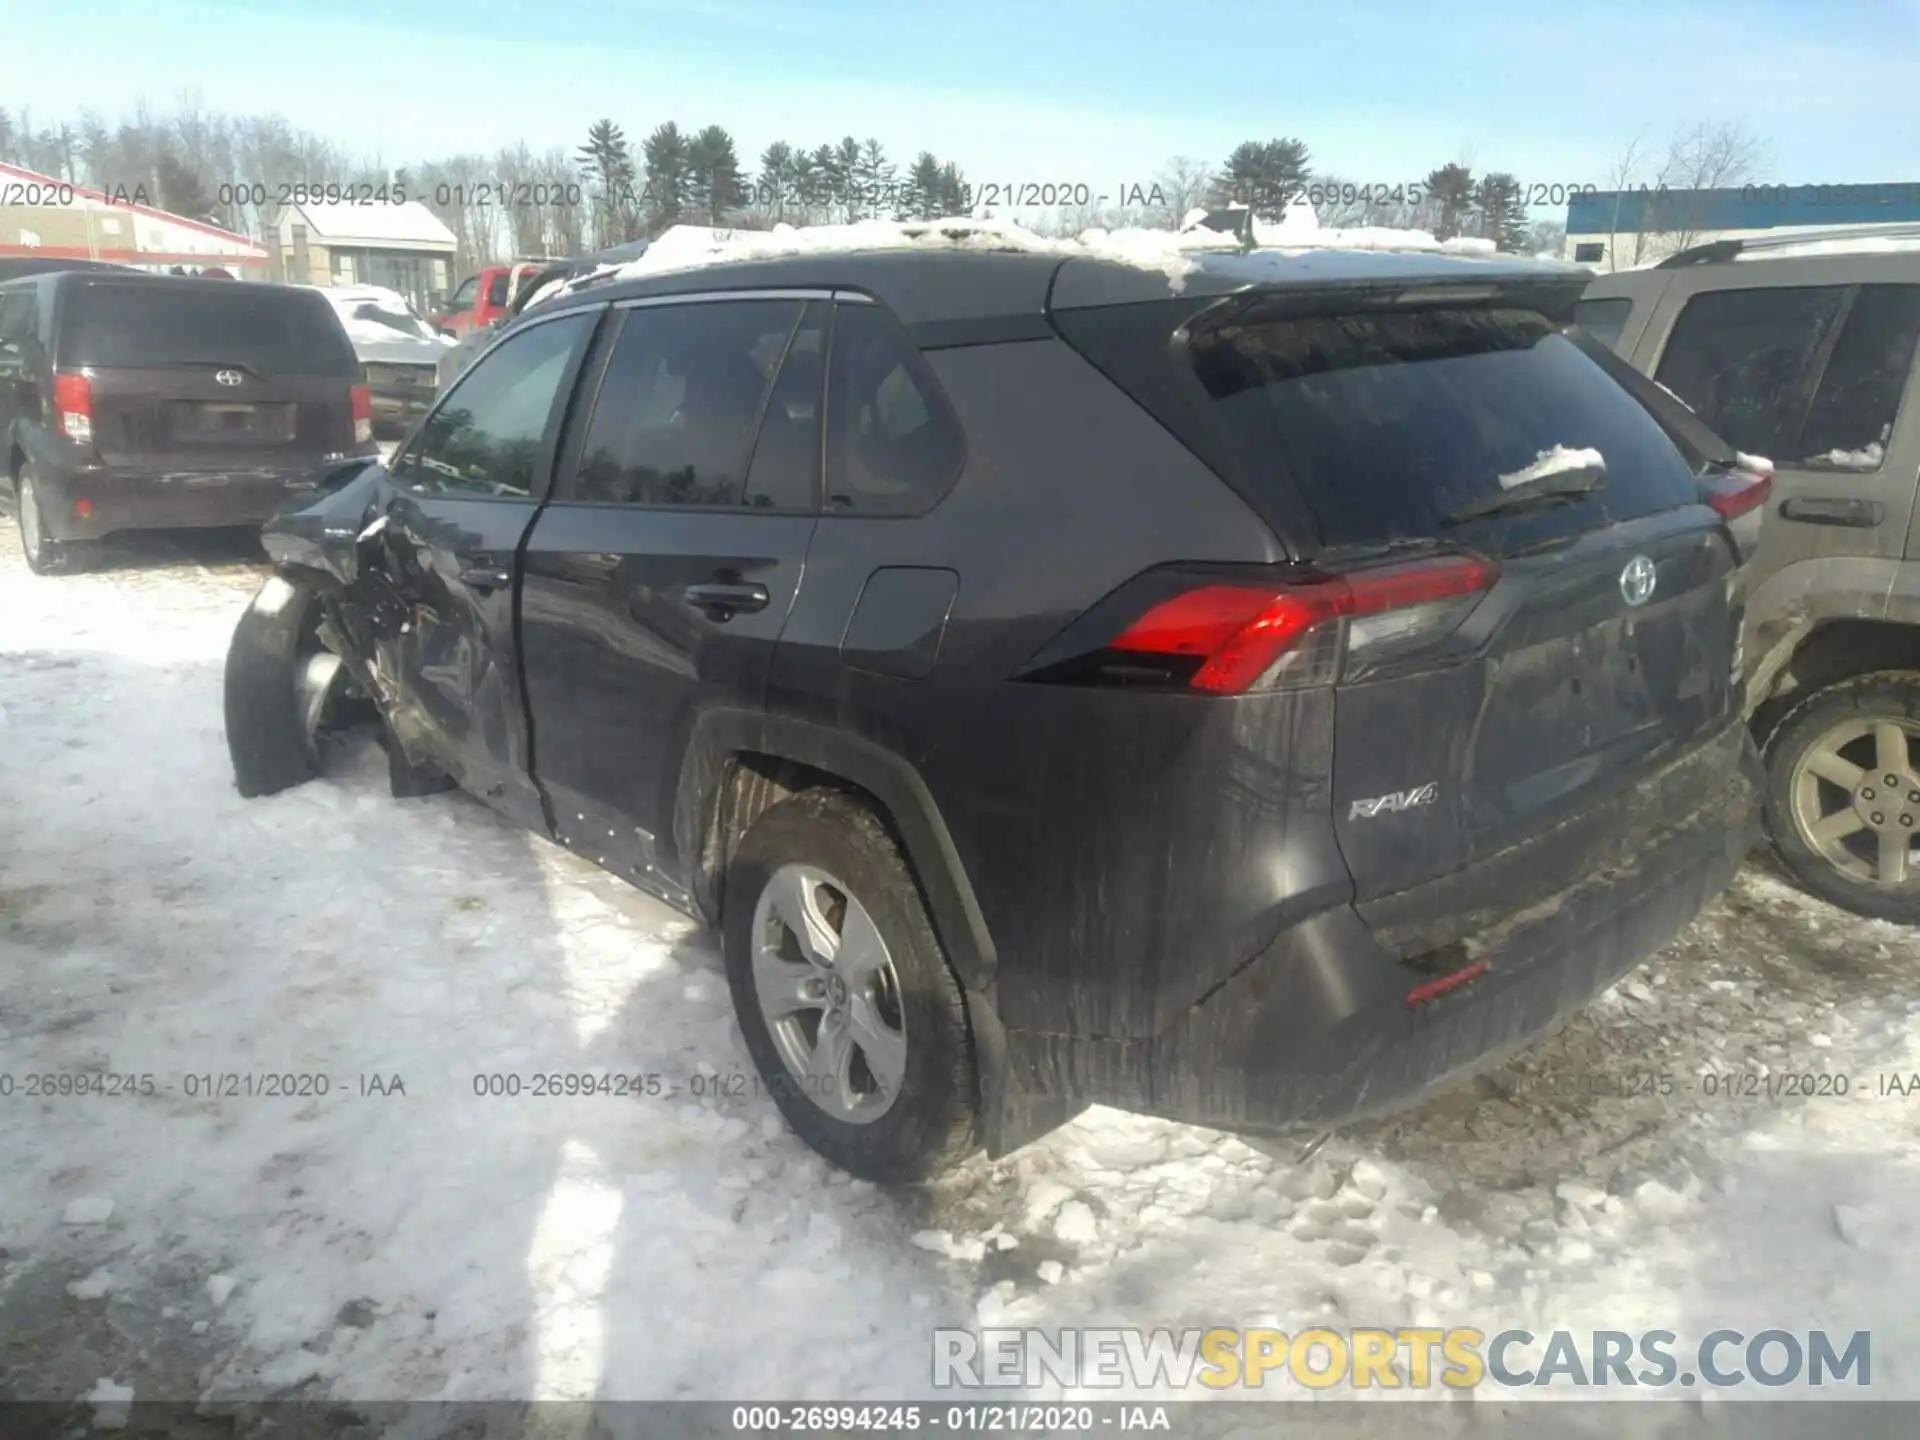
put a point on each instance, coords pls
(1747, 207)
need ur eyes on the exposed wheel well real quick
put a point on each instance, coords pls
(1833, 652)
(752, 784)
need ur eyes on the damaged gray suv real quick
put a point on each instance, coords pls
(1258, 701)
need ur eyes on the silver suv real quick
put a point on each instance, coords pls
(1802, 349)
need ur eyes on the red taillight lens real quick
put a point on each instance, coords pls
(362, 414)
(73, 406)
(1246, 635)
(1738, 491)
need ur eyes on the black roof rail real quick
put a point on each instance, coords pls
(1710, 253)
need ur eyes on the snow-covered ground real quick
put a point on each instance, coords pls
(432, 1242)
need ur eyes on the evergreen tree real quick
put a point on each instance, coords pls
(1451, 191)
(920, 198)
(713, 176)
(180, 190)
(873, 178)
(666, 159)
(1265, 176)
(774, 185)
(607, 164)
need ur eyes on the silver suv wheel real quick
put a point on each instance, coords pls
(829, 994)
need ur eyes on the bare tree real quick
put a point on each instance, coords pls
(1672, 215)
(1184, 183)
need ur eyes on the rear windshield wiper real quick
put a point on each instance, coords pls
(1556, 488)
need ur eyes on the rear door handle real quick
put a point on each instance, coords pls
(727, 595)
(485, 577)
(1833, 510)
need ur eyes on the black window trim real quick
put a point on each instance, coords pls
(556, 417)
(560, 491)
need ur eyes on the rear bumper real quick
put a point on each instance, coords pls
(1317, 1029)
(127, 498)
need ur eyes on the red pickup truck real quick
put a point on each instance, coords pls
(483, 297)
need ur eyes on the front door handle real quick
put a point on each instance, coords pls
(1833, 510)
(727, 596)
(485, 577)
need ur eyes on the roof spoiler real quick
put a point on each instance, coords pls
(1551, 295)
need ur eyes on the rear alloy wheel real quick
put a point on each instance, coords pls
(1843, 794)
(44, 554)
(843, 993)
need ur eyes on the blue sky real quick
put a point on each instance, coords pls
(1069, 91)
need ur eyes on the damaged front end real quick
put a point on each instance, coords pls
(318, 641)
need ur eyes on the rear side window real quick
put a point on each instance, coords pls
(1389, 423)
(673, 423)
(893, 448)
(1604, 319)
(262, 327)
(497, 289)
(17, 319)
(1810, 377)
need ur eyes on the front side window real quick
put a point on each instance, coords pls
(1810, 377)
(675, 417)
(463, 297)
(488, 437)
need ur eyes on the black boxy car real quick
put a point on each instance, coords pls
(1256, 703)
(142, 402)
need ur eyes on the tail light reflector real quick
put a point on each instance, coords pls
(1738, 491)
(1264, 637)
(73, 406)
(362, 414)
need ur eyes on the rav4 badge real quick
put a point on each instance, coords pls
(1395, 801)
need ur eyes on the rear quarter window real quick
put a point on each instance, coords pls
(1604, 319)
(132, 325)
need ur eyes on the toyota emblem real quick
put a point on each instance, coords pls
(1637, 580)
(228, 377)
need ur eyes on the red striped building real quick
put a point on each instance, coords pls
(44, 217)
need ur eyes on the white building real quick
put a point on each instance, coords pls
(402, 247)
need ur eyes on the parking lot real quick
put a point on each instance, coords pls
(405, 1235)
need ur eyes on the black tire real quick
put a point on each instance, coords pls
(49, 556)
(1894, 695)
(266, 724)
(932, 1124)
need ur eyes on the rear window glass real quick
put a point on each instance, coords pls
(144, 323)
(1385, 424)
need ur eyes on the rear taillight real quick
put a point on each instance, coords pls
(73, 406)
(1230, 639)
(362, 414)
(1738, 491)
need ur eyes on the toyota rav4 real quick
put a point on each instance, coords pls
(1256, 699)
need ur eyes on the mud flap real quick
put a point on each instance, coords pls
(267, 737)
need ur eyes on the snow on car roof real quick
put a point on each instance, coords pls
(1174, 253)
